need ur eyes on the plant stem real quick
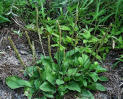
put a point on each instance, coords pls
(76, 21)
(34, 52)
(37, 28)
(29, 41)
(49, 47)
(37, 13)
(59, 34)
(16, 52)
(32, 46)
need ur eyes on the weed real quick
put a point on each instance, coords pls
(73, 72)
(81, 29)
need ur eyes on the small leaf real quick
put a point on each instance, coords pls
(59, 82)
(3, 19)
(100, 69)
(37, 83)
(102, 78)
(15, 82)
(30, 27)
(86, 34)
(94, 76)
(47, 87)
(29, 91)
(85, 83)
(65, 28)
(62, 89)
(68, 39)
(73, 86)
(71, 71)
(84, 61)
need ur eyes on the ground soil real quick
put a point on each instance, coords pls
(9, 65)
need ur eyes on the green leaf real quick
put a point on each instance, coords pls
(102, 78)
(59, 82)
(84, 83)
(100, 69)
(86, 34)
(59, 56)
(31, 27)
(71, 71)
(47, 87)
(29, 91)
(97, 86)
(94, 76)
(37, 83)
(50, 76)
(73, 86)
(46, 61)
(49, 95)
(15, 82)
(72, 52)
(84, 61)
(49, 29)
(65, 28)
(62, 89)
(68, 39)
(86, 94)
(3, 19)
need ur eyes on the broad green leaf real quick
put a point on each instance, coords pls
(86, 94)
(59, 82)
(97, 86)
(72, 52)
(71, 71)
(50, 76)
(47, 87)
(15, 82)
(84, 61)
(73, 86)
(94, 76)
(46, 61)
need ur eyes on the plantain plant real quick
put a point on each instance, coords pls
(49, 79)
(81, 29)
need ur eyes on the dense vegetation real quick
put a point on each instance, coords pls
(80, 30)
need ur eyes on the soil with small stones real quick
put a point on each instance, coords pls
(9, 65)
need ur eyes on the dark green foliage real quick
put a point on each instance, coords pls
(81, 30)
(75, 72)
